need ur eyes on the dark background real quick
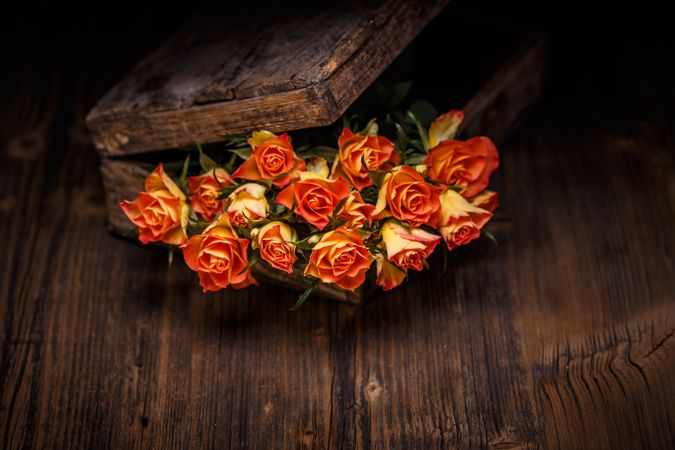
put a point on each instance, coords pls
(560, 337)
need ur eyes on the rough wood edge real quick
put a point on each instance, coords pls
(120, 133)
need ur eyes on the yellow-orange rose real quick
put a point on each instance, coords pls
(314, 197)
(459, 221)
(219, 257)
(273, 159)
(275, 241)
(247, 202)
(467, 163)
(161, 212)
(341, 258)
(388, 275)
(407, 247)
(486, 200)
(354, 149)
(205, 192)
(445, 127)
(356, 213)
(405, 195)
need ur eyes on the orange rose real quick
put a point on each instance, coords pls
(273, 159)
(341, 258)
(161, 212)
(486, 200)
(219, 257)
(247, 202)
(405, 195)
(376, 151)
(459, 221)
(314, 197)
(275, 243)
(407, 247)
(355, 212)
(204, 193)
(388, 275)
(469, 163)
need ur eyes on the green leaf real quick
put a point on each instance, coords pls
(339, 206)
(376, 176)
(215, 177)
(418, 145)
(369, 194)
(183, 175)
(490, 236)
(170, 256)
(424, 112)
(235, 140)
(371, 128)
(420, 130)
(403, 140)
(305, 295)
(205, 162)
(304, 245)
(226, 191)
(414, 159)
(398, 92)
(243, 153)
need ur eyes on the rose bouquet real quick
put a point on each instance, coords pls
(378, 204)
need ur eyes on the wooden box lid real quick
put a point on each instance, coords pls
(276, 70)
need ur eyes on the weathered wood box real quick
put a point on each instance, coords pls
(288, 70)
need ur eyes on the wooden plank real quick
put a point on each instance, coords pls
(511, 91)
(560, 337)
(225, 73)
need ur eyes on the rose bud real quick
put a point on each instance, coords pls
(273, 159)
(219, 257)
(388, 275)
(275, 241)
(405, 195)
(341, 258)
(459, 221)
(318, 165)
(376, 152)
(161, 212)
(466, 163)
(445, 127)
(313, 198)
(407, 247)
(204, 193)
(247, 202)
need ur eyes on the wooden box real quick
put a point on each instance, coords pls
(210, 80)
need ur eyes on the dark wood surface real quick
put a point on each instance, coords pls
(560, 337)
(229, 71)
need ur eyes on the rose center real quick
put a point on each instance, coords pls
(411, 259)
(372, 161)
(277, 251)
(155, 215)
(274, 160)
(344, 261)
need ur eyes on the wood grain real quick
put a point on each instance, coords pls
(295, 66)
(560, 337)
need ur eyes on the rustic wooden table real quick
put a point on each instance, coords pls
(560, 337)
